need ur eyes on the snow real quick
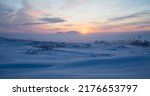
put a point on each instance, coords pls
(29, 59)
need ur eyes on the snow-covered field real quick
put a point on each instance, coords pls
(30, 59)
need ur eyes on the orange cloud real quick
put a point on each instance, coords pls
(35, 13)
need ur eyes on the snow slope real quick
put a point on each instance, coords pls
(24, 59)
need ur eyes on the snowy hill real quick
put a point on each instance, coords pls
(39, 59)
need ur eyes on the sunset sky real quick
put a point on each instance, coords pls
(84, 16)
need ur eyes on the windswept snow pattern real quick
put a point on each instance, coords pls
(57, 60)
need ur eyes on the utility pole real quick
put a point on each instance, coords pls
(133, 39)
(139, 40)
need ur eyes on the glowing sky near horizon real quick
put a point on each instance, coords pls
(85, 16)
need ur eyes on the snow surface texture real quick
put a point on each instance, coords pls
(31, 59)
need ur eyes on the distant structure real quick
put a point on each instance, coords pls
(139, 40)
